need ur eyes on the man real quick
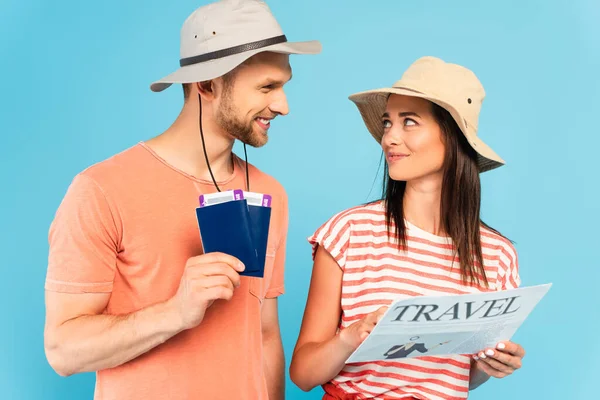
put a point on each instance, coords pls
(129, 293)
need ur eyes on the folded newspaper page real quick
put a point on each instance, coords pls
(450, 324)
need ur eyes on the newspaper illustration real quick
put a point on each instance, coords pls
(451, 324)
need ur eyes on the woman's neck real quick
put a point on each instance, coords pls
(422, 204)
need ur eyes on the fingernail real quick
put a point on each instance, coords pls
(489, 352)
(501, 346)
(481, 355)
(242, 266)
(475, 358)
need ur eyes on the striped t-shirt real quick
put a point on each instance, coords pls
(376, 272)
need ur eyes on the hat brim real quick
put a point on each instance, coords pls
(215, 68)
(372, 104)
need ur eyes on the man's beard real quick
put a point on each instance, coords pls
(236, 127)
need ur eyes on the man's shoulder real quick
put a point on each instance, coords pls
(264, 181)
(116, 167)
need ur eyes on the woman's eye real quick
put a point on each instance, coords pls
(409, 122)
(386, 124)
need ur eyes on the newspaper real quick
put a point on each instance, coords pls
(451, 324)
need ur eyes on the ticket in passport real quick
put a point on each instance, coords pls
(221, 197)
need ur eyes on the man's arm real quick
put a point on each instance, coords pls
(78, 338)
(274, 360)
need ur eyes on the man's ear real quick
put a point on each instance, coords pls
(206, 89)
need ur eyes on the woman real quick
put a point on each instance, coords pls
(425, 237)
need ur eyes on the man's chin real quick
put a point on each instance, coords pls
(257, 144)
(258, 139)
(254, 143)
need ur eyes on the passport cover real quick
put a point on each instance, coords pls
(226, 228)
(260, 219)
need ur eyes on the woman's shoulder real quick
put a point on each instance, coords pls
(493, 239)
(364, 213)
(344, 221)
(335, 233)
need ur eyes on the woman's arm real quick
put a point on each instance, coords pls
(320, 353)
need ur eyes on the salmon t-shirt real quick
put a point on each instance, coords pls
(127, 226)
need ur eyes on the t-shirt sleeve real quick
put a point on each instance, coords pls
(83, 241)
(333, 236)
(276, 286)
(510, 265)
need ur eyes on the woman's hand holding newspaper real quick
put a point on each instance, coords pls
(502, 361)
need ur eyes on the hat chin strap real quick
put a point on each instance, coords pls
(206, 154)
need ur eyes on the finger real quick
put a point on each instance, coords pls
(504, 358)
(355, 334)
(218, 293)
(366, 326)
(370, 319)
(363, 335)
(199, 271)
(212, 281)
(496, 365)
(216, 257)
(374, 317)
(380, 313)
(365, 330)
(489, 370)
(511, 348)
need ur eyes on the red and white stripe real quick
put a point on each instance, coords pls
(376, 272)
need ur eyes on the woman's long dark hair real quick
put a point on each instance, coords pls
(460, 200)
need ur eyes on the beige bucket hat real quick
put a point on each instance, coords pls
(451, 86)
(221, 35)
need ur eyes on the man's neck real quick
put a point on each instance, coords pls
(181, 145)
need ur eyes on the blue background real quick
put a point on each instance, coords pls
(75, 79)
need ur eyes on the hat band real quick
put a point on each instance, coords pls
(232, 50)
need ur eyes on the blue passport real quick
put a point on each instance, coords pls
(260, 219)
(227, 228)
